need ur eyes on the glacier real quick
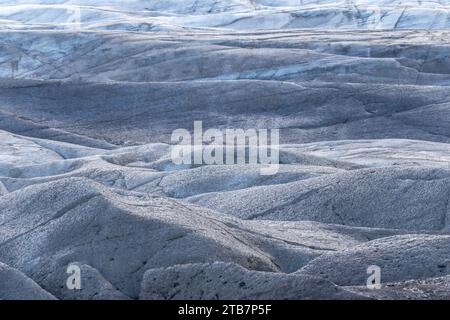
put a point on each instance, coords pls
(91, 91)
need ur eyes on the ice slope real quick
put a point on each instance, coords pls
(236, 14)
(113, 213)
(86, 178)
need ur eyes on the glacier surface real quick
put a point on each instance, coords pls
(90, 92)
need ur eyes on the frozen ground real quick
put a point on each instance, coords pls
(86, 176)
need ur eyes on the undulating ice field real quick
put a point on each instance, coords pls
(91, 91)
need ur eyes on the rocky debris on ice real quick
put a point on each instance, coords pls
(413, 198)
(371, 57)
(401, 258)
(426, 289)
(120, 234)
(304, 113)
(17, 286)
(86, 176)
(225, 281)
(92, 286)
